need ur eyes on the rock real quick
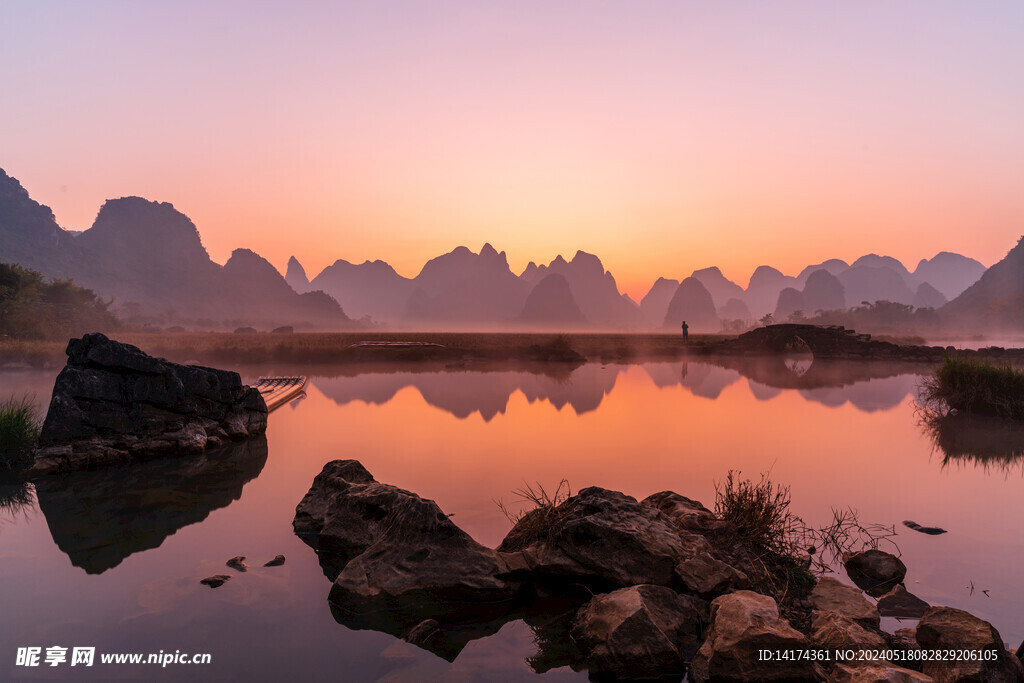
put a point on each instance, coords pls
(930, 530)
(709, 577)
(276, 562)
(640, 632)
(876, 672)
(899, 602)
(687, 514)
(946, 628)
(398, 559)
(875, 571)
(742, 624)
(598, 537)
(905, 639)
(215, 581)
(113, 403)
(829, 595)
(834, 631)
(238, 563)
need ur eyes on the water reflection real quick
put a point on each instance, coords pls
(98, 518)
(465, 392)
(979, 440)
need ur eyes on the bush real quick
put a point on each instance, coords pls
(976, 387)
(19, 429)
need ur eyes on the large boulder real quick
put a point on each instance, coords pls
(946, 628)
(876, 672)
(114, 403)
(598, 537)
(833, 631)
(640, 632)
(742, 625)
(398, 559)
(901, 603)
(875, 571)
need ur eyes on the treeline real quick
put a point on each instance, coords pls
(32, 307)
(877, 317)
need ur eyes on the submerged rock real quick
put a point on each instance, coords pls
(930, 530)
(114, 403)
(276, 562)
(946, 628)
(640, 632)
(238, 563)
(742, 625)
(215, 581)
(398, 558)
(875, 571)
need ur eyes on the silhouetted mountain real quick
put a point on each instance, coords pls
(949, 273)
(790, 301)
(996, 300)
(927, 296)
(871, 284)
(692, 302)
(762, 293)
(719, 287)
(150, 259)
(823, 292)
(594, 289)
(372, 288)
(735, 309)
(550, 304)
(295, 276)
(833, 265)
(895, 265)
(463, 287)
(654, 305)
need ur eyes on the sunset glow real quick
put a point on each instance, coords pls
(662, 137)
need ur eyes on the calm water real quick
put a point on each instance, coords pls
(115, 562)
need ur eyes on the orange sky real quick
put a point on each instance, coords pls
(663, 137)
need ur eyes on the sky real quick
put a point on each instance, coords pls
(661, 136)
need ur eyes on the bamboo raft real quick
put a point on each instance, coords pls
(277, 391)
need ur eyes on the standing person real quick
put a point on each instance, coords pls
(686, 332)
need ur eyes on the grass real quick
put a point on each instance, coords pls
(760, 514)
(19, 430)
(976, 387)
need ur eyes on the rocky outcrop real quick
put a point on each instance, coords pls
(742, 624)
(875, 571)
(640, 632)
(397, 558)
(113, 403)
(946, 628)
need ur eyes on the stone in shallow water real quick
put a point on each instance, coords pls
(276, 562)
(875, 571)
(640, 632)
(238, 563)
(930, 530)
(215, 581)
(946, 628)
(829, 595)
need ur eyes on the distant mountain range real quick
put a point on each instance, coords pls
(149, 257)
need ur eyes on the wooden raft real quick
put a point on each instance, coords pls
(277, 391)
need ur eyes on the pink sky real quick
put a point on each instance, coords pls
(663, 137)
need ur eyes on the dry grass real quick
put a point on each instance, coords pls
(976, 387)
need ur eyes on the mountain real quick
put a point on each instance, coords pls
(874, 283)
(550, 304)
(949, 273)
(735, 309)
(692, 303)
(295, 276)
(823, 292)
(371, 288)
(654, 305)
(791, 300)
(719, 287)
(895, 265)
(995, 301)
(149, 258)
(462, 287)
(927, 296)
(763, 290)
(833, 265)
(594, 289)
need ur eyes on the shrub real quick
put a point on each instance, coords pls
(976, 387)
(19, 429)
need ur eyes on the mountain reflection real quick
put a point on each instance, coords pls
(98, 518)
(463, 392)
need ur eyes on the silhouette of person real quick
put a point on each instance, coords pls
(686, 332)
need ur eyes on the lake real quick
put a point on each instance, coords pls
(113, 560)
